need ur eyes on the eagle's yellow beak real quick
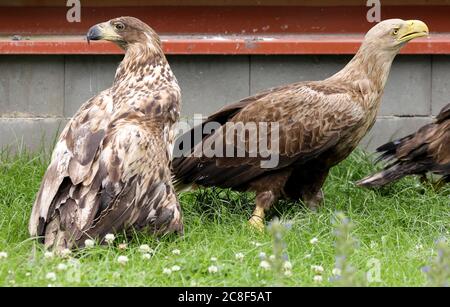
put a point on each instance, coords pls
(102, 31)
(412, 29)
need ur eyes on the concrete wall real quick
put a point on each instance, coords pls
(39, 93)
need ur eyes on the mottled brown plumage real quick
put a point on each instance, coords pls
(110, 170)
(321, 123)
(427, 150)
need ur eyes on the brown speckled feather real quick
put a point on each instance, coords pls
(110, 170)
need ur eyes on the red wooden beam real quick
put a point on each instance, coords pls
(299, 44)
(242, 29)
(227, 20)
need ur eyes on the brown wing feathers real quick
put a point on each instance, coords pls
(307, 129)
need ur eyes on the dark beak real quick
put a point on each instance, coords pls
(94, 34)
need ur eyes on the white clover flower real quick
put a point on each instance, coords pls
(109, 238)
(65, 253)
(239, 256)
(3, 255)
(176, 252)
(213, 259)
(49, 255)
(318, 278)
(167, 271)
(288, 273)
(262, 255)
(314, 240)
(145, 248)
(89, 243)
(61, 267)
(287, 265)
(264, 265)
(317, 268)
(257, 244)
(51, 276)
(122, 260)
(176, 268)
(272, 257)
(336, 272)
(146, 256)
(213, 269)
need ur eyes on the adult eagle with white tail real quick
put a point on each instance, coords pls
(110, 170)
(320, 124)
(427, 150)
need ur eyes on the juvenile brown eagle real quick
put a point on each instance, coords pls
(427, 150)
(110, 170)
(320, 123)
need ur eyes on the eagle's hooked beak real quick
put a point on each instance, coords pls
(412, 29)
(94, 33)
(101, 31)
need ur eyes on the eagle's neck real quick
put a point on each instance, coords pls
(368, 65)
(141, 59)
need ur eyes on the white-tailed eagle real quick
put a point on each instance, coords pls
(110, 169)
(320, 123)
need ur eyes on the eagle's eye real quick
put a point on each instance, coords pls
(119, 26)
(395, 32)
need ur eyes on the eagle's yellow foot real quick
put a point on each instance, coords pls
(257, 219)
(257, 223)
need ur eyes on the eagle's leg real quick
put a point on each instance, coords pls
(268, 189)
(264, 201)
(312, 194)
(313, 201)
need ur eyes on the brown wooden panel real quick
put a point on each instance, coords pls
(245, 20)
(110, 3)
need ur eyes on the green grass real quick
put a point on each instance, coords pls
(396, 227)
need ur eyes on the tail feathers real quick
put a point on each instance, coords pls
(56, 238)
(389, 150)
(384, 177)
(390, 146)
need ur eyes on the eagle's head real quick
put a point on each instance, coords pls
(124, 31)
(392, 34)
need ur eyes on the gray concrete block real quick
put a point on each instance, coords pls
(209, 82)
(408, 89)
(31, 86)
(32, 134)
(389, 128)
(270, 71)
(85, 77)
(441, 82)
